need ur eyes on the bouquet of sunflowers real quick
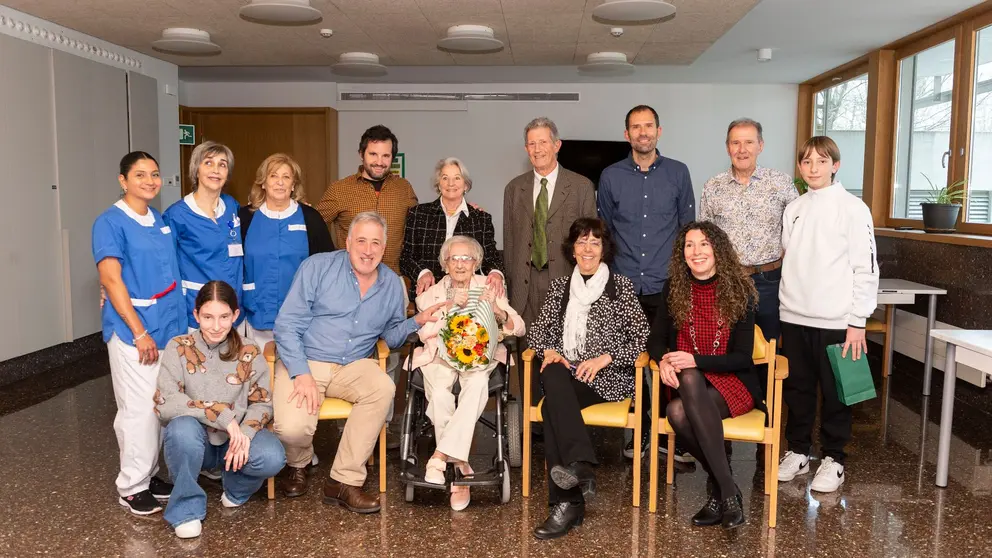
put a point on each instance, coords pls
(468, 344)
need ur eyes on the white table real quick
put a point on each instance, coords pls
(979, 341)
(900, 291)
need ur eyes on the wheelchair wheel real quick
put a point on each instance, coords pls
(505, 493)
(514, 433)
(409, 493)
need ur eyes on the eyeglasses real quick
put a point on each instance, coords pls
(464, 259)
(590, 243)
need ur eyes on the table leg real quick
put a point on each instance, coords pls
(890, 342)
(946, 415)
(928, 351)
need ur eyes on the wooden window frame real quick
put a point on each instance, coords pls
(882, 66)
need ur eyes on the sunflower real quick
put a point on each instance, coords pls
(465, 355)
(482, 335)
(458, 323)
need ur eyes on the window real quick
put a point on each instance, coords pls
(923, 124)
(841, 112)
(979, 208)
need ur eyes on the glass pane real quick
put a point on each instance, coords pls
(979, 201)
(841, 112)
(923, 128)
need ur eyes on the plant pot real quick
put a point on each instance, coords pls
(940, 217)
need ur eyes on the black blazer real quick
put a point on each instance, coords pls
(318, 237)
(424, 235)
(740, 348)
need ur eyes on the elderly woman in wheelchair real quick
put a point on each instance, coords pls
(444, 358)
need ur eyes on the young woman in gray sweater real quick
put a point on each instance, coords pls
(214, 399)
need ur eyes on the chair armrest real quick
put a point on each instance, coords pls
(382, 350)
(781, 368)
(269, 351)
(528, 358)
(528, 355)
(642, 360)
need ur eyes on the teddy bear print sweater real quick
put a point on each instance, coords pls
(193, 381)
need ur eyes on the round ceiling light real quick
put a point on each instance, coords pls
(182, 40)
(470, 38)
(633, 11)
(281, 12)
(607, 63)
(358, 64)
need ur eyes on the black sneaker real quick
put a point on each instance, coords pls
(159, 488)
(681, 455)
(142, 503)
(628, 450)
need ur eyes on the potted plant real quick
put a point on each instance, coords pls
(942, 206)
(800, 184)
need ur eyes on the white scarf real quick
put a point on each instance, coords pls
(581, 295)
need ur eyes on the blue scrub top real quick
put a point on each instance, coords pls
(208, 250)
(275, 246)
(146, 248)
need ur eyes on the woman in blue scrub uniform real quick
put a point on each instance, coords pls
(279, 231)
(207, 226)
(135, 254)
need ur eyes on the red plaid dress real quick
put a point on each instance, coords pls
(705, 320)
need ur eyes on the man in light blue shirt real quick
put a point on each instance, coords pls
(339, 305)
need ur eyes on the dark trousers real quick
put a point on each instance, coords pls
(806, 349)
(649, 304)
(766, 316)
(566, 437)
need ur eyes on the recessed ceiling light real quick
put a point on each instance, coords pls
(633, 11)
(358, 64)
(470, 38)
(607, 63)
(281, 12)
(186, 41)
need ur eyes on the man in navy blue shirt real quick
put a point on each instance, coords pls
(645, 199)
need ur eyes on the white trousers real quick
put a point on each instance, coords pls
(454, 426)
(260, 336)
(136, 425)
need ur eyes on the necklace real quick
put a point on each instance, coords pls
(692, 331)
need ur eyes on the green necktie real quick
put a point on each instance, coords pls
(539, 250)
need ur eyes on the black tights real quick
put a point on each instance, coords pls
(697, 418)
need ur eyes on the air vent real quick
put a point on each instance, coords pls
(378, 96)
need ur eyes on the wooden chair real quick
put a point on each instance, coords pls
(885, 329)
(335, 409)
(749, 427)
(613, 415)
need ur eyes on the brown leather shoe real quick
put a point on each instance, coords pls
(295, 483)
(351, 498)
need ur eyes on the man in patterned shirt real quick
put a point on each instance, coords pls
(748, 201)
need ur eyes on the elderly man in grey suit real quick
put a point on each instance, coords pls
(539, 206)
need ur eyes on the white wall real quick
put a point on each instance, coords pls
(165, 73)
(488, 136)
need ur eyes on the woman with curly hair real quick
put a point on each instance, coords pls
(702, 338)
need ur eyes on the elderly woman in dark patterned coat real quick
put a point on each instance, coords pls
(589, 333)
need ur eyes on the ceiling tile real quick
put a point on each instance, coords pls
(539, 8)
(406, 54)
(373, 7)
(674, 54)
(441, 20)
(540, 28)
(542, 54)
(413, 28)
(501, 58)
(465, 6)
(591, 31)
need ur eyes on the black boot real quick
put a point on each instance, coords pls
(711, 514)
(575, 474)
(561, 519)
(733, 512)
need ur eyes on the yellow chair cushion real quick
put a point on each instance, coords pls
(333, 408)
(749, 427)
(613, 414)
(875, 326)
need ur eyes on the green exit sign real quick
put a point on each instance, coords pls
(187, 134)
(399, 165)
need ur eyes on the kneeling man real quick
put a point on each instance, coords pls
(339, 305)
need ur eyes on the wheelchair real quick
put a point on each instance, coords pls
(507, 428)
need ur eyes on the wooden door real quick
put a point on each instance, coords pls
(308, 135)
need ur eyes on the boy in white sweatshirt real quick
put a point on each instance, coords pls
(828, 290)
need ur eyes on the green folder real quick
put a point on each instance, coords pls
(852, 377)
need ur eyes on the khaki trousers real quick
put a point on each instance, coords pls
(361, 383)
(454, 426)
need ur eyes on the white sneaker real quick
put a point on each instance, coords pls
(792, 464)
(435, 471)
(227, 502)
(829, 476)
(189, 530)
